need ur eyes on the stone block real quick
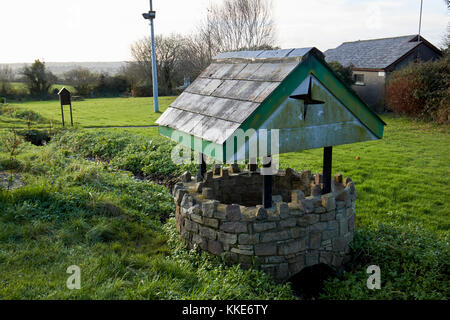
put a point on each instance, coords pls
(288, 223)
(318, 178)
(319, 226)
(325, 257)
(307, 205)
(328, 216)
(186, 177)
(209, 207)
(337, 260)
(340, 204)
(208, 233)
(274, 236)
(316, 190)
(234, 227)
(342, 195)
(215, 247)
(351, 224)
(261, 213)
(179, 195)
(208, 193)
(329, 234)
(333, 225)
(297, 196)
(298, 232)
(176, 187)
(311, 258)
(349, 212)
(200, 241)
(320, 210)
(227, 238)
(274, 259)
(198, 187)
(347, 181)
(339, 244)
(196, 218)
(263, 226)
(242, 251)
(314, 240)
(233, 212)
(188, 201)
(190, 226)
(307, 220)
(343, 227)
(283, 209)
(249, 238)
(211, 222)
(282, 271)
(291, 247)
(329, 202)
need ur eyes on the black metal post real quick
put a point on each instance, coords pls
(62, 114)
(327, 163)
(202, 164)
(267, 185)
(71, 118)
(252, 166)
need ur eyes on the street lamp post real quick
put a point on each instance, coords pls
(151, 16)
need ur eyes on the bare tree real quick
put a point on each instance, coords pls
(169, 57)
(81, 79)
(238, 25)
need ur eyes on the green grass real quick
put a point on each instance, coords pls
(85, 213)
(403, 177)
(98, 112)
(97, 216)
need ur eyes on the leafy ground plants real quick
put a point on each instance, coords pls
(90, 200)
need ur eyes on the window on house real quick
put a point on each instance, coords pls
(359, 79)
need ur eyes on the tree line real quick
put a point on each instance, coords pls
(38, 82)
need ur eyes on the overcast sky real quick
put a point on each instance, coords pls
(103, 30)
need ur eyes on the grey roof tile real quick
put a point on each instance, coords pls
(228, 91)
(372, 54)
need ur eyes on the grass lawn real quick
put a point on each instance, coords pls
(404, 177)
(92, 112)
(96, 215)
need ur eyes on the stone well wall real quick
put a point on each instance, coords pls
(298, 231)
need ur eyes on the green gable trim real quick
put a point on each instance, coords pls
(208, 148)
(311, 64)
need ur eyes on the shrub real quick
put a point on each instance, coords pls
(16, 113)
(36, 137)
(421, 90)
(344, 73)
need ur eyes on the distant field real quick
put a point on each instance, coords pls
(102, 112)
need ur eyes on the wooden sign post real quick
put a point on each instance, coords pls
(64, 99)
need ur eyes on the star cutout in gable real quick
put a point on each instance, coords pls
(306, 97)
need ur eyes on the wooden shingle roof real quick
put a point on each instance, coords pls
(228, 91)
(293, 92)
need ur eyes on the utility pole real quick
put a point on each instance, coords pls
(151, 16)
(420, 19)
